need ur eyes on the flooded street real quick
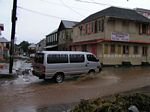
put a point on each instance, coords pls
(27, 93)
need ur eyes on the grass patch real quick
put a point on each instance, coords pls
(118, 103)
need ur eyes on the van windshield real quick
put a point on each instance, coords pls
(91, 58)
(39, 58)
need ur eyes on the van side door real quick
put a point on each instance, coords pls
(77, 64)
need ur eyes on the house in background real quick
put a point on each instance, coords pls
(4, 48)
(40, 46)
(52, 41)
(65, 32)
(32, 50)
(115, 35)
(143, 12)
(4, 45)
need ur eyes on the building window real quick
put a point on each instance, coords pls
(125, 25)
(93, 24)
(80, 28)
(86, 28)
(84, 47)
(144, 29)
(136, 50)
(49, 39)
(112, 49)
(106, 49)
(125, 49)
(100, 24)
(56, 36)
(119, 49)
(144, 51)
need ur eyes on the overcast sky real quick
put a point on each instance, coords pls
(37, 18)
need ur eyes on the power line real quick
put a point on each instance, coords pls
(40, 13)
(71, 8)
(98, 3)
(49, 2)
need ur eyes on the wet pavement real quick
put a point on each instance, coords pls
(26, 93)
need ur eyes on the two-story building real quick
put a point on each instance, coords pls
(40, 46)
(115, 35)
(32, 49)
(52, 41)
(65, 32)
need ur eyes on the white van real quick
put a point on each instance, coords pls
(60, 64)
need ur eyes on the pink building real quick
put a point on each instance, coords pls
(4, 45)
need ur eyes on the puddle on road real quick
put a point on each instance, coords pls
(51, 108)
(23, 77)
(96, 80)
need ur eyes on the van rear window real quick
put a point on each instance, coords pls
(39, 58)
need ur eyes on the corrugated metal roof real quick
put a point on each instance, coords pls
(3, 40)
(69, 24)
(116, 12)
(32, 46)
(55, 31)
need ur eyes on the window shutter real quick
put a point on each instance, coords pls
(149, 30)
(90, 27)
(140, 28)
(83, 29)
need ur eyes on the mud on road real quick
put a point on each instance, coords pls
(29, 94)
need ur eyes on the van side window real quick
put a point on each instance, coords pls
(91, 58)
(77, 58)
(57, 58)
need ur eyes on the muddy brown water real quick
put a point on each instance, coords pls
(29, 94)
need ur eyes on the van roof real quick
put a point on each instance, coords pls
(64, 52)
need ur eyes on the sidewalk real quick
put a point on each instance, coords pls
(4, 71)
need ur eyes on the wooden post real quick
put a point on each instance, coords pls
(13, 19)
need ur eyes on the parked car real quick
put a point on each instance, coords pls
(61, 64)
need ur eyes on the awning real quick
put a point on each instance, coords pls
(51, 46)
(88, 42)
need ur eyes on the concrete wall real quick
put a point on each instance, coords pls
(129, 27)
(122, 26)
(87, 37)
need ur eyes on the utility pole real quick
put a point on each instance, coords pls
(13, 20)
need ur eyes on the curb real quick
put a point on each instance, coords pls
(7, 76)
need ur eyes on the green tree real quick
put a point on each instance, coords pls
(24, 46)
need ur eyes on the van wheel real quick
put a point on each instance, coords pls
(91, 72)
(59, 78)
